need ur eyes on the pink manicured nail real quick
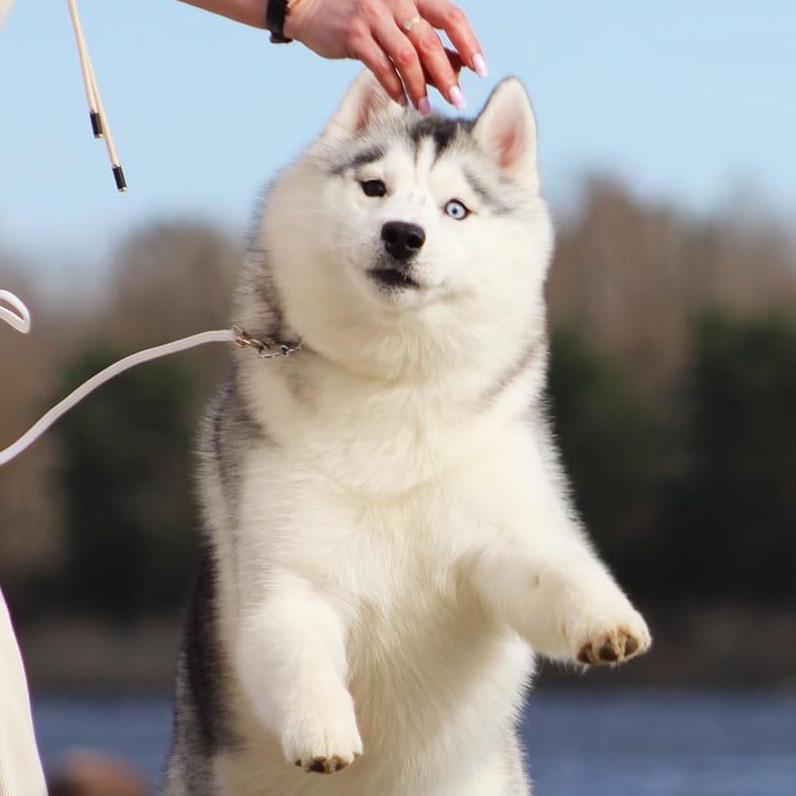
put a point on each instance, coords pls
(479, 65)
(424, 106)
(457, 98)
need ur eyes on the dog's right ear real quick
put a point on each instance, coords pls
(364, 102)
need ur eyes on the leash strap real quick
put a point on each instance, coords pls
(16, 314)
(99, 121)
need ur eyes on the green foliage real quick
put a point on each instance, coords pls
(615, 451)
(127, 486)
(737, 507)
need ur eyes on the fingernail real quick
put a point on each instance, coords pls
(457, 98)
(424, 106)
(479, 65)
(403, 101)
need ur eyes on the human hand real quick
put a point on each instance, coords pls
(396, 39)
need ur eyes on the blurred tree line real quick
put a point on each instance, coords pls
(672, 387)
(99, 516)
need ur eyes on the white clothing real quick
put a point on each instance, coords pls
(20, 769)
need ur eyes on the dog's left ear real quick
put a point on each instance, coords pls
(364, 102)
(506, 129)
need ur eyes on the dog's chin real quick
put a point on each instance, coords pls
(390, 280)
(391, 287)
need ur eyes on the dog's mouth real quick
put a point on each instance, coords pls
(392, 279)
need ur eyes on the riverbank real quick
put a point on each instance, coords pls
(721, 646)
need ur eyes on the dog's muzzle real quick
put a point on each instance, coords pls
(402, 240)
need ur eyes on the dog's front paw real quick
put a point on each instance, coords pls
(323, 738)
(323, 765)
(614, 642)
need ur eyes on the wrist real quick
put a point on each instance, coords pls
(287, 18)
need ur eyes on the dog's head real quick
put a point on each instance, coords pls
(394, 228)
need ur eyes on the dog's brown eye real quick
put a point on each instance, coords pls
(374, 187)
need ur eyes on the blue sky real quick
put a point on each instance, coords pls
(689, 102)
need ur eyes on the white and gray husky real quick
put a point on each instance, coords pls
(389, 539)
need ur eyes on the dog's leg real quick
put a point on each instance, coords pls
(537, 572)
(563, 602)
(292, 662)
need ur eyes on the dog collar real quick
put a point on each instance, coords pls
(266, 349)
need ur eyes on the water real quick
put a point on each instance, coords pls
(685, 744)
(578, 742)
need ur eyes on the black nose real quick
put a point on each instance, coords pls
(402, 240)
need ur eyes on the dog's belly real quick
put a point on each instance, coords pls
(428, 672)
(436, 721)
(436, 683)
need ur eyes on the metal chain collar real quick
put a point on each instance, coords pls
(266, 349)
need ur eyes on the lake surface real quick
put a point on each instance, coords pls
(578, 742)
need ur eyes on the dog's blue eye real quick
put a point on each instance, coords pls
(457, 210)
(374, 187)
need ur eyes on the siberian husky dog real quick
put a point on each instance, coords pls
(389, 538)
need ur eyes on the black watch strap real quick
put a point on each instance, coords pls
(275, 14)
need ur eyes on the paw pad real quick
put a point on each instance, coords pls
(612, 647)
(323, 765)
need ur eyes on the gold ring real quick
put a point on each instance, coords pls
(410, 23)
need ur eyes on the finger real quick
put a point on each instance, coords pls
(454, 60)
(448, 17)
(406, 61)
(374, 58)
(437, 69)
